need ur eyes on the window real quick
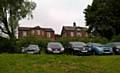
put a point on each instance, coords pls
(24, 33)
(38, 32)
(33, 32)
(48, 34)
(72, 34)
(42, 33)
(79, 34)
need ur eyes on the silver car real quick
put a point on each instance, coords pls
(55, 47)
(31, 49)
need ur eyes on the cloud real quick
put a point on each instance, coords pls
(56, 13)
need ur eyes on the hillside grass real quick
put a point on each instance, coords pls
(24, 63)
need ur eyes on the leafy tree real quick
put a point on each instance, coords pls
(11, 12)
(103, 17)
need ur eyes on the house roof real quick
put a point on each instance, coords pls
(72, 28)
(48, 29)
(24, 28)
(37, 27)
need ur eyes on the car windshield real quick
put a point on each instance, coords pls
(33, 46)
(117, 45)
(77, 44)
(54, 45)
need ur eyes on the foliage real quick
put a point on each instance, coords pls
(116, 38)
(7, 46)
(103, 17)
(24, 42)
(11, 12)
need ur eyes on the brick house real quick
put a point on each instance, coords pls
(74, 31)
(36, 31)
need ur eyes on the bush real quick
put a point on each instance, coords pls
(116, 38)
(99, 40)
(7, 45)
(24, 42)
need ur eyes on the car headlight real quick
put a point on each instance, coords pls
(76, 49)
(49, 49)
(23, 50)
(62, 49)
(117, 49)
(89, 48)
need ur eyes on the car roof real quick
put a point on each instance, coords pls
(76, 42)
(32, 45)
(115, 42)
(54, 43)
(94, 44)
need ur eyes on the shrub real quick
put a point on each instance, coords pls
(116, 38)
(41, 42)
(7, 45)
(99, 40)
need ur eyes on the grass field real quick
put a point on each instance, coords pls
(19, 63)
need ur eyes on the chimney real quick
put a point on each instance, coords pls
(74, 24)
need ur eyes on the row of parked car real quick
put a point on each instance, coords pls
(76, 48)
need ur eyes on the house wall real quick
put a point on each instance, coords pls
(74, 33)
(37, 32)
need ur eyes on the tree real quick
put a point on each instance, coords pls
(103, 17)
(11, 12)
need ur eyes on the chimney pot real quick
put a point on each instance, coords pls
(74, 24)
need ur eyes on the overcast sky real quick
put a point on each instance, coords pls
(57, 13)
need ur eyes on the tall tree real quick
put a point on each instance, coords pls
(11, 12)
(103, 17)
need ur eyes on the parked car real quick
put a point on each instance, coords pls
(79, 48)
(55, 47)
(115, 46)
(31, 49)
(100, 49)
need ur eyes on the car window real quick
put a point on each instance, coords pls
(77, 44)
(114, 44)
(54, 45)
(33, 46)
(117, 45)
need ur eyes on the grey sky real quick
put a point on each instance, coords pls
(57, 13)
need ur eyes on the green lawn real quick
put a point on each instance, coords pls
(19, 63)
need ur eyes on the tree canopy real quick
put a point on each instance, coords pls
(103, 17)
(11, 12)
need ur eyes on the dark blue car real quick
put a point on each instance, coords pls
(100, 49)
(79, 48)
